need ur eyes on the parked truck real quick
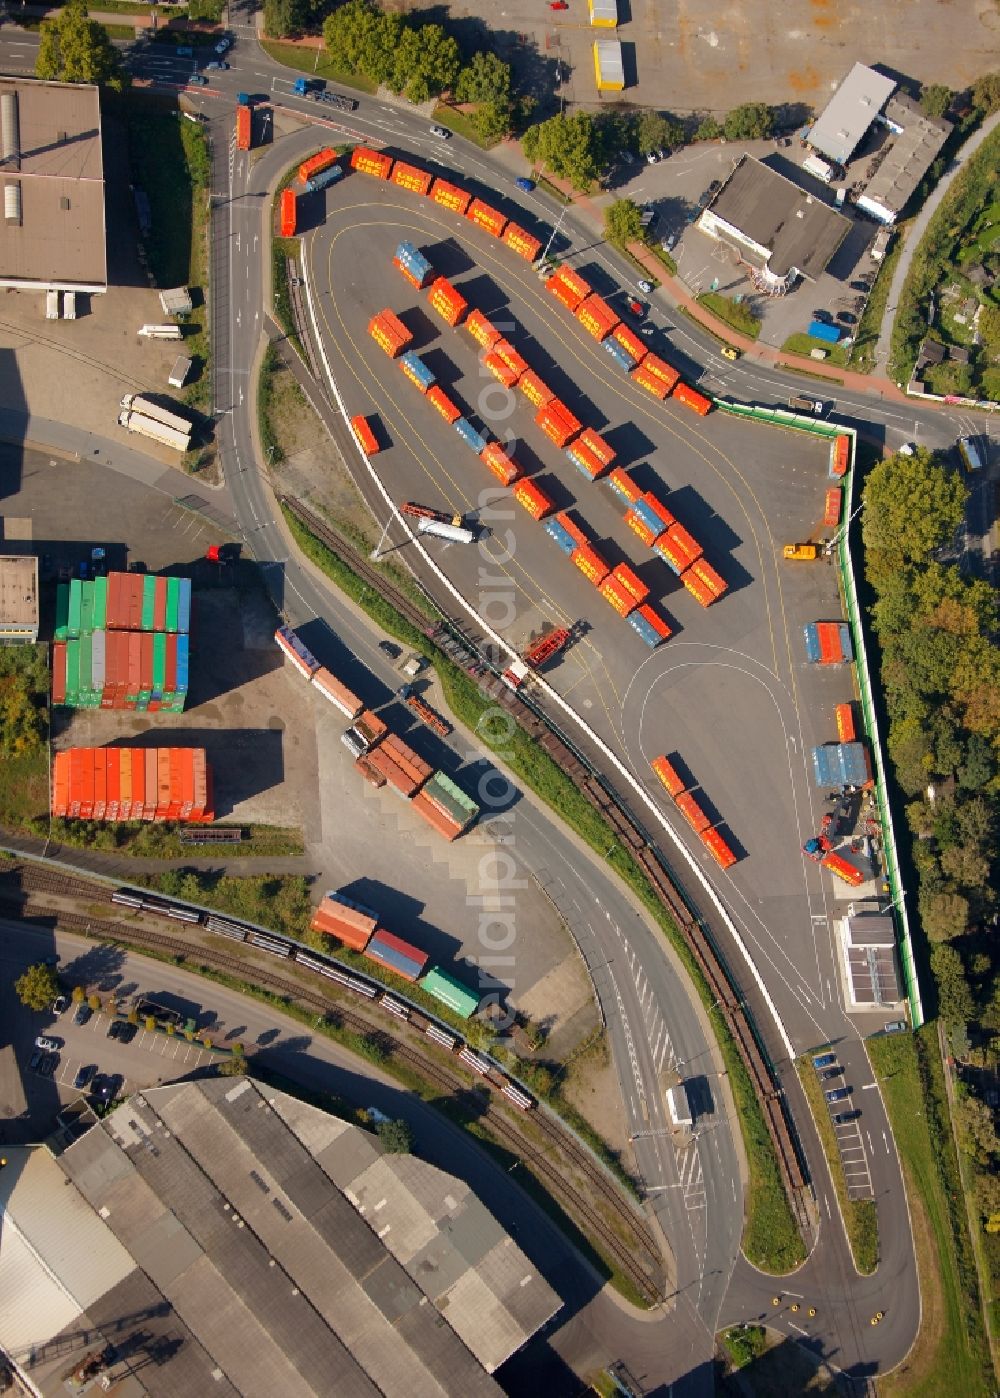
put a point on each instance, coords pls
(139, 403)
(455, 532)
(156, 431)
(244, 128)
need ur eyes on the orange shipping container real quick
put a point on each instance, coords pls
(506, 351)
(640, 527)
(630, 342)
(287, 213)
(522, 243)
(536, 392)
(619, 597)
(650, 382)
(595, 443)
(578, 535)
(410, 177)
(481, 329)
(831, 513)
(435, 817)
(585, 461)
(564, 293)
(558, 423)
(492, 220)
(450, 304)
(590, 564)
(335, 921)
(718, 848)
(569, 286)
(125, 782)
(502, 466)
(366, 437)
(691, 398)
(631, 582)
(371, 162)
(148, 811)
(660, 369)
(841, 456)
(623, 484)
(669, 776)
(500, 369)
(845, 723)
(708, 580)
(597, 317)
(448, 410)
(450, 196)
(535, 501)
(692, 812)
(244, 128)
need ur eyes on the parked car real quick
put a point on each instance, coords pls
(106, 1086)
(127, 1032)
(441, 132)
(835, 1072)
(842, 1118)
(83, 1013)
(224, 44)
(636, 307)
(36, 1059)
(86, 1074)
(48, 1065)
(897, 1026)
(837, 1094)
(824, 1060)
(645, 287)
(390, 649)
(49, 1045)
(59, 1004)
(523, 183)
(847, 317)
(115, 1028)
(197, 80)
(651, 157)
(729, 352)
(216, 65)
(668, 242)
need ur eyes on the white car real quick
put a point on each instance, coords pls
(646, 287)
(669, 242)
(224, 45)
(47, 1045)
(651, 157)
(441, 132)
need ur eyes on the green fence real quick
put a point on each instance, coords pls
(780, 417)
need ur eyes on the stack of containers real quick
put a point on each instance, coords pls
(336, 693)
(650, 627)
(828, 642)
(469, 435)
(558, 423)
(621, 356)
(506, 352)
(703, 582)
(371, 162)
(597, 317)
(123, 643)
(597, 446)
(132, 784)
(382, 760)
(485, 217)
(536, 392)
(585, 461)
(844, 715)
(560, 535)
(590, 564)
(840, 456)
(656, 375)
(396, 955)
(692, 812)
(622, 484)
(690, 397)
(389, 332)
(450, 305)
(297, 651)
(677, 548)
(503, 466)
(448, 410)
(449, 196)
(568, 287)
(417, 371)
(535, 501)
(410, 177)
(481, 329)
(624, 589)
(445, 806)
(320, 161)
(841, 764)
(351, 923)
(500, 369)
(413, 265)
(648, 518)
(630, 342)
(522, 243)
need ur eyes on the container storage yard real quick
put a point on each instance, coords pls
(114, 784)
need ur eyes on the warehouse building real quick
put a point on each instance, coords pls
(216, 1236)
(868, 949)
(53, 236)
(843, 123)
(896, 170)
(779, 230)
(18, 599)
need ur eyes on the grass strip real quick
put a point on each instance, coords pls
(862, 356)
(808, 374)
(270, 445)
(162, 841)
(860, 1215)
(304, 60)
(804, 345)
(771, 1239)
(733, 313)
(461, 123)
(950, 1354)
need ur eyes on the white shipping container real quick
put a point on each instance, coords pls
(161, 332)
(678, 1106)
(69, 305)
(52, 305)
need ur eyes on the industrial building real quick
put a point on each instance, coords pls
(897, 168)
(52, 165)
(846, 118)
(218, 1236)
(868, 950)
(18, 599)
(781, 231)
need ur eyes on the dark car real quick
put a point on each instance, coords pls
(115, 1028)
(48, 1065)
(87, 1073)
(834, 1072)
(847, 317)
(36, 1061)
(824, 1060)
(859, 286)
(390, 649)
(127, 1032)
(523, 183)
(83, 1013)
(843, 1118)
(107, 1086)
(837, 1094)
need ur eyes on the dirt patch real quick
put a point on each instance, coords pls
(784, 1367)
(591, 1086)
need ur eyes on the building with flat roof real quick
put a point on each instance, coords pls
(782, 232)
(868, 947)
(18, 599)
(52, 167)
(895, 171)
(221, 1237)
(840, 127)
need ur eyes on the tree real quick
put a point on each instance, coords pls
(623, 223)
(913, 506)
(989, 326)
(493, 121)
(954, 995)
(232, 1067)
(395, 1137)
(979, 767)
(967, 866)
(282, 18)
(944, 915)
(708, 130)
(76, 49)
(485, 79)
(568, 146)
(753, 121)
(427, 61)
(22, 721)
(977, 1130)
(935, 99)
(363, 39)
(986, 93)
(37, 987)
(210, 10)
(653, 132)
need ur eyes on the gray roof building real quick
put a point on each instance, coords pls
(869, 943)
(18, 598)
(915, 141)
(777, 227)
(252, 1244)
(52, 169)
(838, 130)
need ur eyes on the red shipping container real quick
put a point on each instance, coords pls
(481, 330)
(630, 342)
(100, 784)
(597, 317)
(369, 162)
(450, 304)
(691, 398)
(845, 723)
(500, 463)
(708, 577)
(660, 369)
(623, 484)
(287, 213)
(558, 423)
(534, 389)
(521, 242)
(450, 196)
(841, 456)
(160, 604)
(150, 793)
(162, 756)
(87, 784)
(590, 564)
(678, 547)
(147, 660)
(569, 286)
(578, 535)
(650, 382)
(828, 634)
(448, 410)
(324, 920)
(412, 178)
(60, 785)
(535, 501)
(619, 597)
(655, 621)
(492, 220)
(59, 672)
(692, 812)
(631, 582)
(669, 776)
(659, 509)
(840, 866)
(187, 788)
(718, 848)
(500, 369)
(585, 460)
(506, 351)
(640, 527)
(73, 785)
(831, 512)
(112, 762)
(596, 444)
(176, 782)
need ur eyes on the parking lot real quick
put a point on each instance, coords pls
(845, 1113)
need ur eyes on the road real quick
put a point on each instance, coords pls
(643, 995)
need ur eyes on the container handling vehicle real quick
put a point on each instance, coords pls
(804, 553)
(409, 507)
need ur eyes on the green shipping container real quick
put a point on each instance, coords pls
(450, 992)
(75, 597)
(100, 603)
(72, 673)
(85, 665)
(173, 602)
(61, 630)
(87, 609)
(159, 661)
(452, 797)
(148, 601)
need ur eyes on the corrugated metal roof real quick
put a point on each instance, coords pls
(609, 60)
(849, 113)
(909, 156)
(604, 11)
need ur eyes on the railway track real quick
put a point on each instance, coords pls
(641, 1264)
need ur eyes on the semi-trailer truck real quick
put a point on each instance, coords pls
(139, 403)
(156, 431)
(410, 507)
(455, 532)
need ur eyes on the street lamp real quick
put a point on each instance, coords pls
(554, 232)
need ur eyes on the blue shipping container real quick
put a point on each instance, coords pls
(621, 357)
(853, 763)
(405, 251)
(562, 536)
(820, 330)
(470, 436)
(825, 770)
(398, 955)
(182, 663)
(812, 642)
(184, 605)
(571, 455)
(417, 368)
(618, 490)
(648, 633)
(846, 649)
(648, 516)
(324, 178)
